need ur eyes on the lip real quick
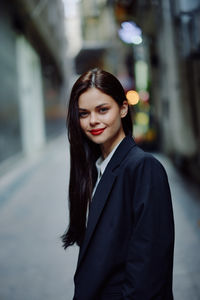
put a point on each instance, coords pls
(97, 131)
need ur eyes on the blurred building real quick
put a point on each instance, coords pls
(34, 71)
(175, 63)
(98, 43)
(171, 49)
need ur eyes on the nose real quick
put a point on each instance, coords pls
(93, 119)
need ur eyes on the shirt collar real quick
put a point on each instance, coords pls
(101, 163)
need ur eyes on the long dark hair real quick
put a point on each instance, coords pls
(84, 153)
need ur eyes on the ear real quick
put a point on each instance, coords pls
(124, 109)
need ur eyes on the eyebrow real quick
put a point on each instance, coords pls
(98, 106)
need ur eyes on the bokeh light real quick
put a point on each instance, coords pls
(130, 33)
(144, 96)
(132, 97)
(142, 118)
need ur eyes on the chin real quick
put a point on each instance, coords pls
(97, 140)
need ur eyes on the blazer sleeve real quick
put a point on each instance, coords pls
(149, 263)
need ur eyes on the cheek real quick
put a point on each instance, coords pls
(113, 119)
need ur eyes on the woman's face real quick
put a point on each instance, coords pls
(100, 119)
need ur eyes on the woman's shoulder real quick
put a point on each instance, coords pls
(138, 158)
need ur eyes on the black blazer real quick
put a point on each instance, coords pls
(127, 252)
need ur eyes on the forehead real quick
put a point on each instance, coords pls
(94, 97)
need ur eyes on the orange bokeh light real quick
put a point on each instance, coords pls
(132, 97)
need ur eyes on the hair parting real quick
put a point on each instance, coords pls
(93, 79)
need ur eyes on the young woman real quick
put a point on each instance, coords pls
(119, 199)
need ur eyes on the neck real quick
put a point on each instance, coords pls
(107, 147)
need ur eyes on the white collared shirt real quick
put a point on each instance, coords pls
(101, 165)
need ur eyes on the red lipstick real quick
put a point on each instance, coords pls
(97, 131)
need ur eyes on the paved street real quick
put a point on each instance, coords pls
(33, 209)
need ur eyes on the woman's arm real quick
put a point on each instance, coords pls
(150, 255)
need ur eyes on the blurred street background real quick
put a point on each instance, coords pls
(153, 47)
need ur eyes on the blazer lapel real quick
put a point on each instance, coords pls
(103, 189)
